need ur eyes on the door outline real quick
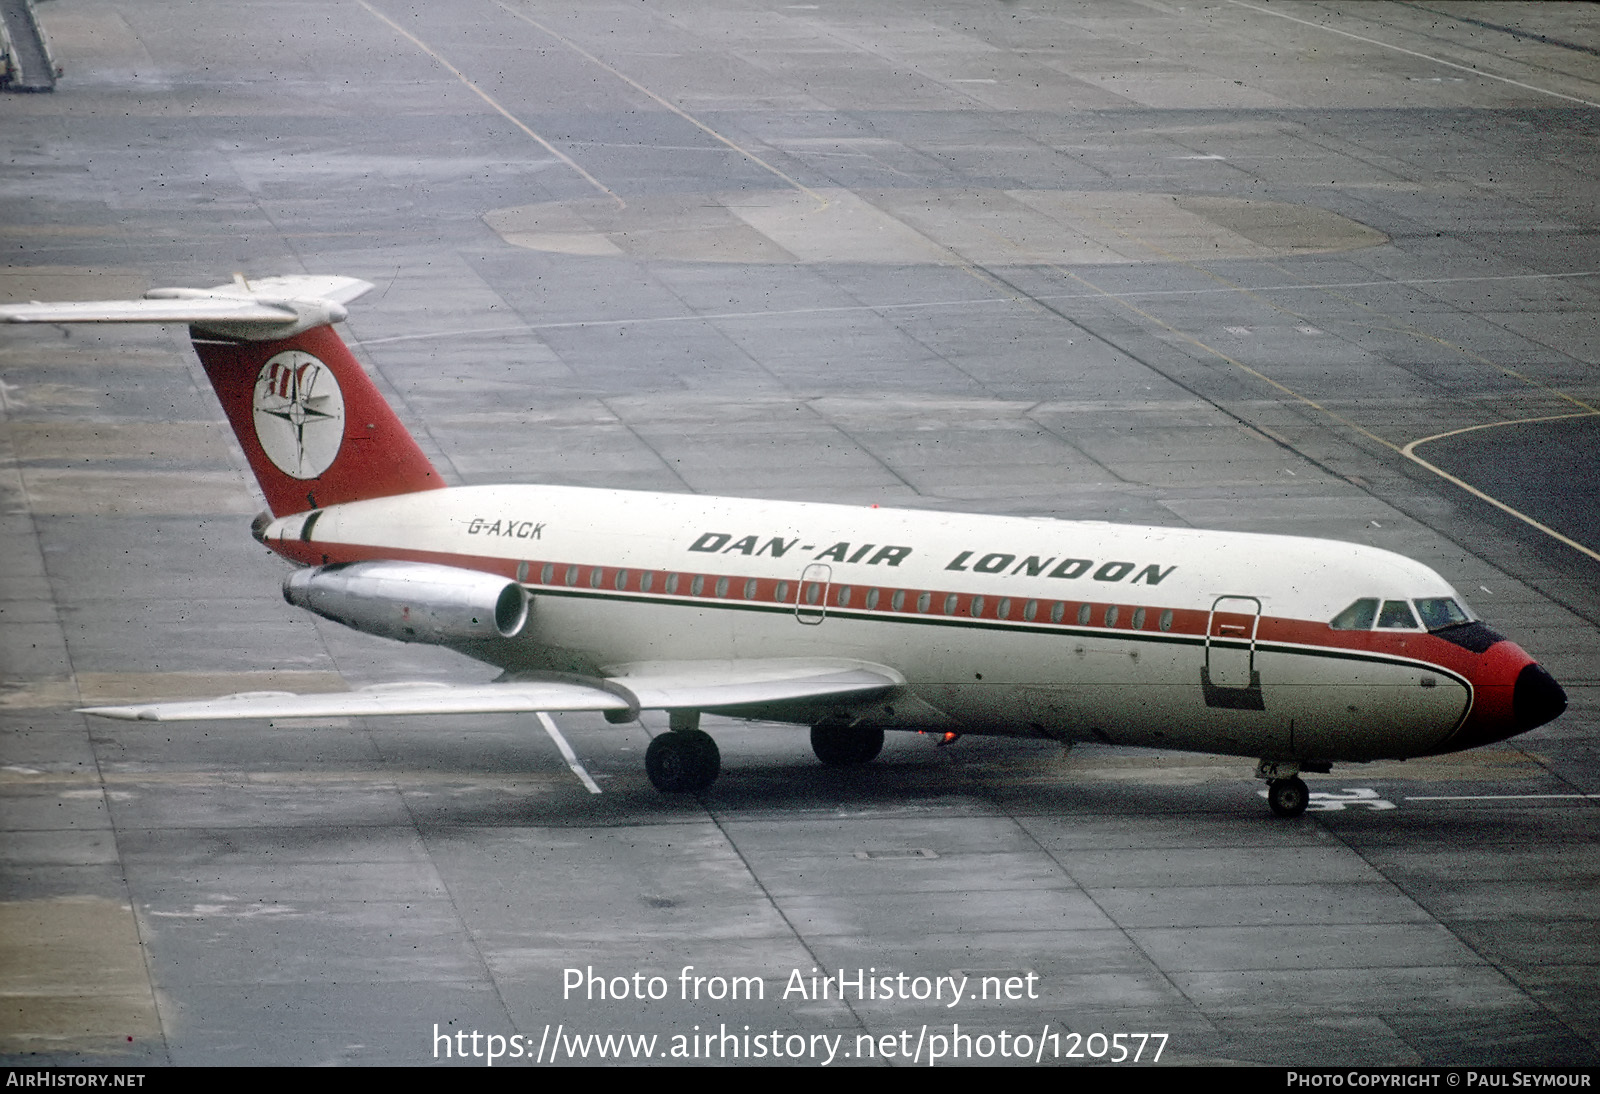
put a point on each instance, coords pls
(816, 578)
(1240, 687)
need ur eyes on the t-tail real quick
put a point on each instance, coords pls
(310, 420)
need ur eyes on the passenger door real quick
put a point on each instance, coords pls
(1229, 676)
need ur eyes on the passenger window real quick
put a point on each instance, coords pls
(872, 599)
(898, 600)
(1111, 616)
(1440, 612)
(1138, 619)
(1083, 614)
(1029, 610)
(1166, 620)
(751, 587)
(1396, 615)
(1057, 610)
(951, 602)
(646, 580)
(781, 593)
(844, 596)
(976, 607)
(1357, 617)
(1003, 609)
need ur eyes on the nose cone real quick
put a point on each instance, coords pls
(1512, 694)
(1537, 698)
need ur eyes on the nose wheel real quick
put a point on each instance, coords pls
(1288, 797)
(1286, 791)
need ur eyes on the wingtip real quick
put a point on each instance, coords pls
(123, 714)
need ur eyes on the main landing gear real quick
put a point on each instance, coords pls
(840, 744)
(684, 760)
(1287, 794)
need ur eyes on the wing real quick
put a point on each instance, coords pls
(718, 685)
(404, 698)
(626, 689)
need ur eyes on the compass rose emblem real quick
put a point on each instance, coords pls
(299, 414)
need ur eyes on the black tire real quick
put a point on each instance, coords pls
(840, 745)
(684, 761)
(1288, 797)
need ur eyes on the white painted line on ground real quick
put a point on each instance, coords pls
(1414, 53)
(518, 13)
(494, 103)
(1498, 797)
(1410, 453)
(549, 724)
(934, 304)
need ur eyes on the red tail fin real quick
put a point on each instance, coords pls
(315, 429)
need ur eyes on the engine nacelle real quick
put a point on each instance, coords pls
(411, 601)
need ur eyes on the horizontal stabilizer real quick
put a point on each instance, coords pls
(198, 309)
(655, 685)
(272, 307)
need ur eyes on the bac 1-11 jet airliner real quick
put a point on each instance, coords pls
(850, 620)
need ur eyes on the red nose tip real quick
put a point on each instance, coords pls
(1511, 694)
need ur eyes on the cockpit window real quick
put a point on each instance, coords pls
(1357, 617)
(1396, 615)
(1437, 613)
(1440, 611)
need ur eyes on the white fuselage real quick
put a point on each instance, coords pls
(1165, 637)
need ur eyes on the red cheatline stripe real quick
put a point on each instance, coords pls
(895, 601)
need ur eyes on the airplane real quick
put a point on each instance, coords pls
(851, 620)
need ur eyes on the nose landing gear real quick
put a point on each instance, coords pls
(1287, 794)
(1288, 797)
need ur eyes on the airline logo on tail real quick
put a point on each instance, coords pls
(299, 414)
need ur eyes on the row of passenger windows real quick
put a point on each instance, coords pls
(1365, 614)
(1436, 613)
(813, 593)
